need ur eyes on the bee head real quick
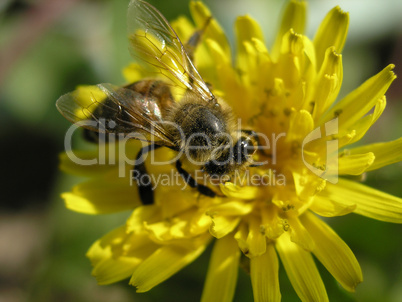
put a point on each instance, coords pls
(232, 157)
(244, 148)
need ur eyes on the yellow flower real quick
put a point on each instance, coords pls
(288, 95)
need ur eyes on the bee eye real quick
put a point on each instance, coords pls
(243, 149)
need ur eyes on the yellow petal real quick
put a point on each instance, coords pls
(355, 164)
(126, 256)
(301, 124)
(101, 249)
(333, 252)
(328, 82)
(102, 195)
(244, 193)
(363, 125)
(299, 235)
(264, 276)
(241, 237)
(218, 53)
(202, 59)
(69, 164)
(301, 270)
(199, 223)
(346, 138)
(323, 206)
(290, 62)
(163, 263)
(228, 81)
(173, 200)
(178, 227)
(332, 32)
(251, 237)
(294, 18)
(106, 157)
(256, 240)
(113, 270)
(135, 72)
(385, 153)
(183, 27)
(162, 231)
(116, 255)
(292, 43)
(309, 50)
(247, 29)
(148, 213)
(231, 208)
(369, 202)
(360, 101)
(308, 185)
(223, 225)
(214, 31)
(221, 278)
(272, 224)
(86, 98)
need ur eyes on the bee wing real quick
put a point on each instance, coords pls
(153, 40)
(110, 109)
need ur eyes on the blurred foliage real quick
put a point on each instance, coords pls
(87, 44)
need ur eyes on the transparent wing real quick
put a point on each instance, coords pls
(153, 40)
(111, 109)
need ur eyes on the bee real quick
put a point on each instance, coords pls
(199, 125)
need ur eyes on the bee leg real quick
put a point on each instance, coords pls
(144, 190)
(204, 190)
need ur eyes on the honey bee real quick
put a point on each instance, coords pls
(199, 123)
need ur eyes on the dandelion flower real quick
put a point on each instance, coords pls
(288, 94)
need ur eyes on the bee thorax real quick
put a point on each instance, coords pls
(200, 129)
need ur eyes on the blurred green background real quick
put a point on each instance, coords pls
(49, 47)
